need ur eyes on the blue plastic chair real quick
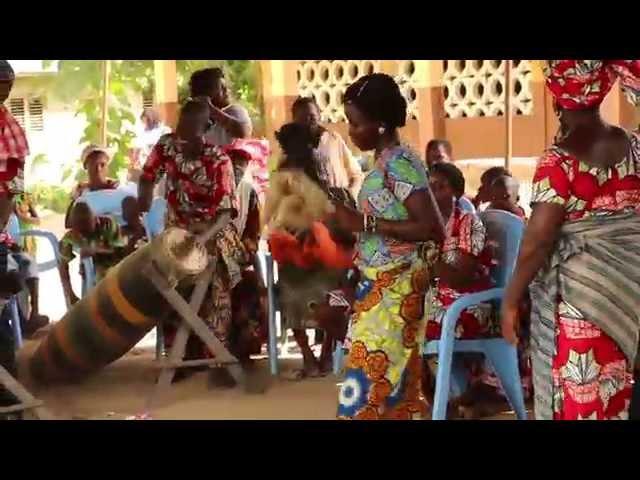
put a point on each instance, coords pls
(103, 202)
(466, 205)
(266, 270)
(154, 219)
(13, 227)
(506, 231)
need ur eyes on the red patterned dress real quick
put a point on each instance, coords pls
(465, 233)
(14, 148)
(591, 378)
(197, 190)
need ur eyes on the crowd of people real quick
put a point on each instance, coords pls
(374, 258)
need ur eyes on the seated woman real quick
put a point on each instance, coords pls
(95, 160)
(97, 237)
(312, 257)
(463, 268)
(248, 298)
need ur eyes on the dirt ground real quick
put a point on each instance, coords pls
(123, 388)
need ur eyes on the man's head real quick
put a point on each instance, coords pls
(210, 82)
(150, 118)
(82, 219)
(487, 179)
(305, 111)
(194, 118)
(7, 77)
(130, 210)
(504, 190)
(438, 151)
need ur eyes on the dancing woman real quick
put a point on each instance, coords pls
(396, 215)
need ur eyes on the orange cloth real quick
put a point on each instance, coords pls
(318, 248)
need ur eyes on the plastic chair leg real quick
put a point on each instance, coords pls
(15, 323)
(160, 350)
(338, 358)
(273, 341)
(504, 360)
(445, 355)
(459, 377)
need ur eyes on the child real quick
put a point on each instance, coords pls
(133, 232)
(28, 217)
(97, 237)
(503, 195)
(312, 257)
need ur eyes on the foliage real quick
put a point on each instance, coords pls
(37, 161)
(51, 197)
(79, 83)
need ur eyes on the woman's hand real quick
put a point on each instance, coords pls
(348, 219)
(509, 321)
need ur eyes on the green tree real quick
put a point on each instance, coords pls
(79, 83)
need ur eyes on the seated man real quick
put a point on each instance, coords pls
(93, 236)
(438, 151)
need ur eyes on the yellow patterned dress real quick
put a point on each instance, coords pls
(384, 366)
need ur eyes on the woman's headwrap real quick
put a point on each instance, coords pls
(580, 84)
(6, 71)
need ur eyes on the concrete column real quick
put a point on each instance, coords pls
(279, 91)
(166, 91)
(430, 98)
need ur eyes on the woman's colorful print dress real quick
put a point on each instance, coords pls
(384, 366)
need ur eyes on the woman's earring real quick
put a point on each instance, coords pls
(381, 130)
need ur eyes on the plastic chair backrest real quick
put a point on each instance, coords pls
(154, 219)
(504, 231)
(13, 227)
(108, 202)
(466, 205)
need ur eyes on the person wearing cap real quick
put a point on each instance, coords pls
(95, 160)
(581, 251)
(14, 147)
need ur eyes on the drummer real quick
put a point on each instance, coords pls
(200, 187)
